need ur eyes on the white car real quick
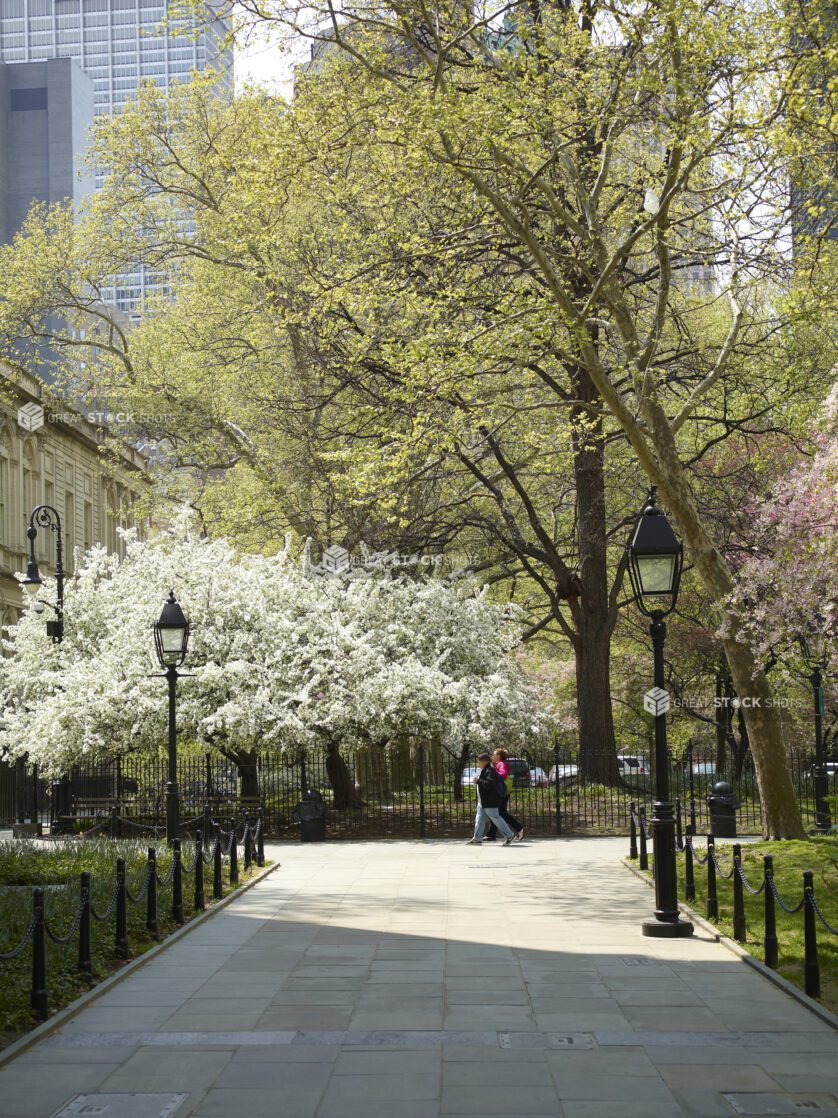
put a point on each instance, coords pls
(563, 774)
(470, 775)
(538, 778)
(631, 766)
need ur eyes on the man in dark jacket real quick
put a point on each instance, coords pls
(489, 802)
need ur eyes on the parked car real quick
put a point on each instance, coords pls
(538, 778)
(563, 774)
(704, 768)
(631, 766)
(519, 770)
(470, 774)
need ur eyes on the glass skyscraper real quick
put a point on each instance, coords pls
(119, 43)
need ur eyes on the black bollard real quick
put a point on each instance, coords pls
(770, 944)
(644, 853)
(712, 899)
(217, 883)
(248, 843)
(739, 927)
(811, 966)
(234, 854)
(260, 839)
(121, 930)
(200, 904)
(39, 956)
(177, 884)
(689, 867)
(151, 895)
(679, 832)
(632, 831)
(85, 961)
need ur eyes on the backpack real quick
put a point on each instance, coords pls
(503, 787)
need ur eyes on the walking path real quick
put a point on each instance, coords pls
(419, 979)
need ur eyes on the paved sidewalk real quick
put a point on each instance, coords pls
(419, 979)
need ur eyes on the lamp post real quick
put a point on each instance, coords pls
(655, 559)
(171, 638)
(813, 646)
(45, 516)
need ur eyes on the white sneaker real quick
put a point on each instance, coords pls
(474, 842)
(509, 841)
(520, 836)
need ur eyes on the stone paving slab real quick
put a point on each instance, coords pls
(434, 980)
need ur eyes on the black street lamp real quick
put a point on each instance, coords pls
(171, 638)
(45, 516)
(813, 646)
(655, 559)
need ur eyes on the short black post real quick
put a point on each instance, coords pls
(644, 853)
(151, 895)
(421, 777)
(811, 966)
(121, 932)
(248, 843)
(115, 822)
(679, 831)
(260, 838)
(739, 927)
(39, 956)
(770, 944)
(217, 884)
(632, 827)
(234, 853)
(177, 884)
(200, 903)
(85, 962)
(712, 899)
(689, 867)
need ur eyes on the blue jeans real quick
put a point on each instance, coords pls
(487, 814)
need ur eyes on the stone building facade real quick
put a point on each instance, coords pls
(56, 459)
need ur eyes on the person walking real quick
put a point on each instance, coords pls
(488, 803)
(499, 759)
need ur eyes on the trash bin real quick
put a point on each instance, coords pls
(59, 804)
(311, 814)
(722, 802)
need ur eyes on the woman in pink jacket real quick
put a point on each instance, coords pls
(499, 760)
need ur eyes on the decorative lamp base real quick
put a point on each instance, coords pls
(665, 929)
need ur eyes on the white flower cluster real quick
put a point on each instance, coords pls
(281, 659)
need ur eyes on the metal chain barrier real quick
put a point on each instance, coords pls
(104, 916)
(209, 854)
(754, 892)
(163, 882)
(819, 914)
(780, 901)
(73, 927)
(6, 955)
(699, 860)
(189, 869)
(144, 889)
(719, 870)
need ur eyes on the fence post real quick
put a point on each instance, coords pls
(121, 932)
(115, 833)
(811, 966)
(632, 827)
(689, 867)
(739, 927)
(679, 823)
(234, 853)
(151, 895)
(421, 791)
(207, 824)
(248, 843)
(85, 963)
(200, 904)
(39, 956)
(260, 838)
(770, 944)
(177, 884)
(217, 884)
(644, 853)
(712, 898)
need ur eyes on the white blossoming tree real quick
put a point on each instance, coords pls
(284, 658)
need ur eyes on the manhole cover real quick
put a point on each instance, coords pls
(824, 1106)
(640, 961)
(121, 1106)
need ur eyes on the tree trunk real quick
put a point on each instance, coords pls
(780, 809)
(248, 774)
(344, 793)
(459, 769)
(591, 614)
(722, 719)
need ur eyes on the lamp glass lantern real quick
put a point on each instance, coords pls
(813, 643)
(171, 634)
(656, 558)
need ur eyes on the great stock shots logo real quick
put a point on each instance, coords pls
(656, 701)
(30, 417)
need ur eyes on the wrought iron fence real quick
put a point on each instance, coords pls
(413, 792)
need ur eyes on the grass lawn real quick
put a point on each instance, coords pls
(790, 860)
(25, 863)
